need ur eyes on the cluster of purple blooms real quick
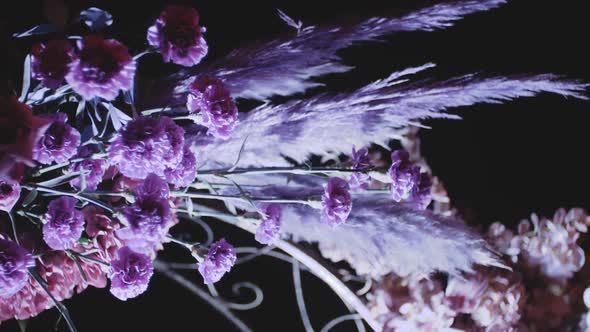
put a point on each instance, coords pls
(408, 183)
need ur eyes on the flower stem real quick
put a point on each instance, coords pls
(243, 199)
(71, 194)
(287, 170)
(90, 259)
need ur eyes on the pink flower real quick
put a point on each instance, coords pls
(178, 36)
(101, 68)
(9, 194)
(49, 62)
(20, 131)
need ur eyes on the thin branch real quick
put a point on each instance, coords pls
(216, 304)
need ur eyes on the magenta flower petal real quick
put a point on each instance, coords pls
(96, 169)
(336, 202)
(14, 263)
(178, 36)
(149, 217)
(220, 259)
(402, 175)
(101, 69)
(50, 62)
(360, 160)
(185, 173)
(59, 143)
(64, 224)
(421, 192)
(130, 274)
(147, 145)
(210, 96)
(9, 194)
(269, 229)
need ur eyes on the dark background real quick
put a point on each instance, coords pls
(501, 162)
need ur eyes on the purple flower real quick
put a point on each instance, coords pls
(149, 217)
(270, 227)
(101, 69)
(210, 96)
(421, 192)
(178, 36)
(9, 194)
(153, 187)
(14, 262)
(220, 259)
(336, 202)
(184, 174)
(49, 62)
(59, 143)
(361, 161)
(402, 175)
(130, 274)
(64, 224)
(147, 145)
(96, 169)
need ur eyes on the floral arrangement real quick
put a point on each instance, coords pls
(92, 182)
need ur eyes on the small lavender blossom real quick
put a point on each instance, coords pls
(421, 194)
(101, 68)
(96, 169)
(64, 224)
(14, 262)
(130, 274)
(147, 145)
(210, 96)
(336, 202)
(220, 259)
(402, 174)
(59, 143)
(361, 161)
(49, 62)
(178, 36)
(149, 217)
(9, 194)
(269, 229)
(185, 173)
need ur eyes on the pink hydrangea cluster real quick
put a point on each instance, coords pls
(549, 245)
(485, 301)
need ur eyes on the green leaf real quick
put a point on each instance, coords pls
(239, 155)
(80, 269)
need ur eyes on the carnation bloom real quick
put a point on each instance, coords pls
(9, 194)
(210, 96)
(95, 169)
(130, 274)
(361, 161)
(336, 202)
(403, 175)
(101, 68)
(270, 226)
(59, 143)
(421, 194)
(184, 173)
(14, 263)
(220, 259)
(49, 62)
(147, 145)
(64, 224)
(178, 36)
(20, 131)
(149, 217)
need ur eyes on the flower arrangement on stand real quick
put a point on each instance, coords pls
(92, 181)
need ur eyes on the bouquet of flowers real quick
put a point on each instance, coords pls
(93, 180)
